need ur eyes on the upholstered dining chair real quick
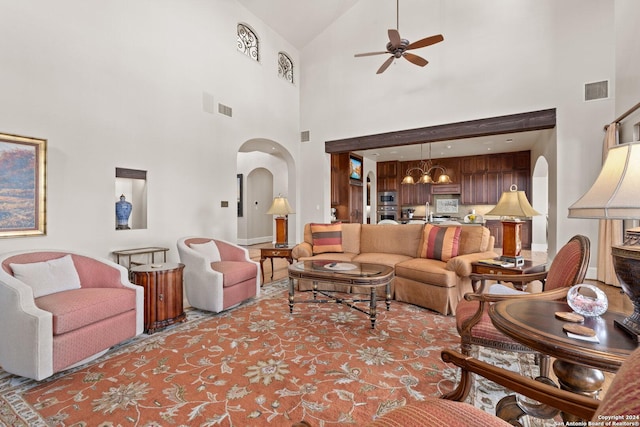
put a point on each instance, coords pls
(621, 401)
(568, 268)
(217, 274)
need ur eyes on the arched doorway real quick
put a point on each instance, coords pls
(269, 171)
(540, 202)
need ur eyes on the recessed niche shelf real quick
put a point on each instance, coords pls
(132, 183)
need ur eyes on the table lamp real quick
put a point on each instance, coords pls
(615, 195)
(512, 206)
(281, 207)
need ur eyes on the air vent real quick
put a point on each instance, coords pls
(304, 136)
(225, 109)
(596, 90)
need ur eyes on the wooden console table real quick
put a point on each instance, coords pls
(128, 253)
(163, 304)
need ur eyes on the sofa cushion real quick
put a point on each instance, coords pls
(390, 239)
(381, 258)
(473, 239)
(429, 271)
(326, 238)
(81, 307)
(440, 243)
(234, 272)
(48, 277)
(209, 250)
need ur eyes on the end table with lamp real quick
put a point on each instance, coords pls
(281, 207)
(512, 206)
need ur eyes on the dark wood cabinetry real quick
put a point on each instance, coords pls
(163, 304)
(355, 203)
(416, 194)
(445, 189)
(473, 189)
(389, 176)
(346, 194)
(339, 178)
(485, 178)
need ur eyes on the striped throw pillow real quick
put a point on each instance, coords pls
(326, 238)
(440, 242)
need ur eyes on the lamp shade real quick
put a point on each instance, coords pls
(614, 195)
(280, 206)
(513, 203)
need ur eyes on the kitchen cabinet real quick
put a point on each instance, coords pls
(493, 175)
(339, 178)
(473, 189)
(445, 189)
(413, 194)
(346, 194)
(355, 204)
(389, 176)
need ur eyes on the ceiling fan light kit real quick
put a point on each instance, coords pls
(398, 47)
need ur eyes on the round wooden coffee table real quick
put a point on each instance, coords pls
(578, 363)
(372, 276)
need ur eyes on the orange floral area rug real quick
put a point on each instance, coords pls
(254, 365)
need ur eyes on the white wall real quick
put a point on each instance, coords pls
(627, 88)
(498, 57)
(121, 84)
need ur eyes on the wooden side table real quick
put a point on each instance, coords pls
(163, 304)
(273, 252)
(528, 267)
(578, 363)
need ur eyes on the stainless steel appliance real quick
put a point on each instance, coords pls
(387, 198)
(388, 212)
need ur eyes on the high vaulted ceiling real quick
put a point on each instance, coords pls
(298, 21)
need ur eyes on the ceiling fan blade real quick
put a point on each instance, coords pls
(394, 37)
(385, 65)
(415, 59)
(427, 41)
(358, 55)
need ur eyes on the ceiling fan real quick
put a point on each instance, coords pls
(398, 46)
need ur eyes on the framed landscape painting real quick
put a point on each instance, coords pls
(22, 186)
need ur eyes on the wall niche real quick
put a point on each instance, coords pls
(132, 184)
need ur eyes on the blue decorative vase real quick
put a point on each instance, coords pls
(123, 211)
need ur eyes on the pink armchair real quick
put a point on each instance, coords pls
(217, 274)
(60, 309)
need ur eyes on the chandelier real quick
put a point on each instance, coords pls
(424, 171)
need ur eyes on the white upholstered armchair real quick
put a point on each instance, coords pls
(217, 274)
(59, 309)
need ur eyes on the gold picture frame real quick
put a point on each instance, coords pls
(22, 186)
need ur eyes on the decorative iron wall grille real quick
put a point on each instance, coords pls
(248, 42)
(285, 67)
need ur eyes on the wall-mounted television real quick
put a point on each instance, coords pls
(355, 167)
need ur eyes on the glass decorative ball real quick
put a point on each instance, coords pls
(587, 300)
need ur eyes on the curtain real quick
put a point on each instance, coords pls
(610, 230)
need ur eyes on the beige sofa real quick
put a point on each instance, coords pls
(429, 283)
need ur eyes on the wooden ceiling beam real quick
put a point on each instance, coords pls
(523, 122)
